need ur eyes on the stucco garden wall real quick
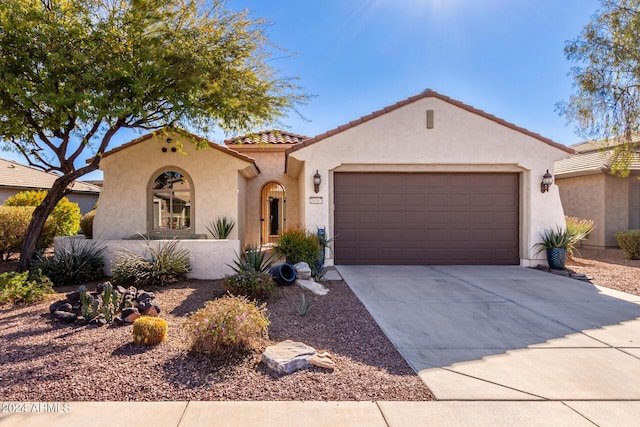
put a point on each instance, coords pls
(123, 207)
(461, 141)
(210, 259)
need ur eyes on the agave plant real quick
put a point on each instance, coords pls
(221, 227)
(253, 258)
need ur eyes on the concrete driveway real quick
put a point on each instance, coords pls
(506, 333)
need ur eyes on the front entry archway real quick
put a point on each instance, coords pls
(273, 210)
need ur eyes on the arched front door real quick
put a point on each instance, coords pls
(273, 212)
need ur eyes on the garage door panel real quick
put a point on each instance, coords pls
(426, 218)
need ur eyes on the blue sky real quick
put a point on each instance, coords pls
(357, 56)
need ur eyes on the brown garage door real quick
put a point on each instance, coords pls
(426, 218)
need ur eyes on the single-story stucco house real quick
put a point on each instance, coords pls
(16, 178)
(589, 191)
(428, 180)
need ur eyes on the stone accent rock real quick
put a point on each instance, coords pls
(130, 314)
(73, 296)
(152, 310)
(322, 360)
(144, 295)
(56, 306)
(312, 286)
(64, 316)
(303, 271)
(287, 356)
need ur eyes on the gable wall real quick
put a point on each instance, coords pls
(460, 141)
(122, 209)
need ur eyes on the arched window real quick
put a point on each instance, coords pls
(171, 198)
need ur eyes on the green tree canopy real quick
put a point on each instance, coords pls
(606, 102)
(75, 72)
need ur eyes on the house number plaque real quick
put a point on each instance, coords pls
(315, 200)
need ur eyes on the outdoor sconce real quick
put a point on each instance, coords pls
(547, 180)
(317, 179)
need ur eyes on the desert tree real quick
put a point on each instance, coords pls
(73, 73)
(606, 78)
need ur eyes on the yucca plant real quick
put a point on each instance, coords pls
(78, 263)
(221, 227)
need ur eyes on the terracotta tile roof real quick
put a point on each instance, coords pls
(188, 135)
(426, 94)
(19, 176)
(267, 137)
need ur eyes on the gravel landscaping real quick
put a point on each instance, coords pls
(608, 267)
(44, 360)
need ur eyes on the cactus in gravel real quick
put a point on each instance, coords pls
(89, 307)
(149, 330)
(110, 302)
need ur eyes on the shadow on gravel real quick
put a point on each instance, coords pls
(201, 292)
(131, 349)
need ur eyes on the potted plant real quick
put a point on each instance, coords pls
(555, 243)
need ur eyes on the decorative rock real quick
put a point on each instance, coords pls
(322, 360)
(65, 306)
(144, 295)
(118, 321)
(97, 321)
(64, 316)
(121, 290)
(303, 271)
(81, 321)
(56, 306)
(143, 306)
(287, 356)
(152, 310)
(312, 286)
(73, 296)
(130, 314)
(100, 288)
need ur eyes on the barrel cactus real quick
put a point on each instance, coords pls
(148, 330)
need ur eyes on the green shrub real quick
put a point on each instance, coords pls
(253, 258)
(63, 221)
(578, 229)
(160, 265)
(86, 224)
(21, 288)
(14, 221)
(629, 241)
(298, 245)
(79, 263)
(250, 283)
(221, 228)
(227, 326)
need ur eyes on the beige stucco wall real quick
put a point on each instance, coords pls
(616, 204)
(122, 210)
(270, 161)
(582, 197)
(460, 141)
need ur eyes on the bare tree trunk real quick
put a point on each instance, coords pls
(40, 215)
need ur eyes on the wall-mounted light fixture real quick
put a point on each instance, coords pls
(317, 179)
(547, 180)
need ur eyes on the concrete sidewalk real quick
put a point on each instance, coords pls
(339, 414)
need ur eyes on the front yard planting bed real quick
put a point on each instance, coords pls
(43, 360)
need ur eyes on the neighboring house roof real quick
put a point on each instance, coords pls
(592, 157)
(213, 145)
(267, 137)
(19, 176)
(426, 94)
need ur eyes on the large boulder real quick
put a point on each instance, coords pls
(288, 356)
(303, 271)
